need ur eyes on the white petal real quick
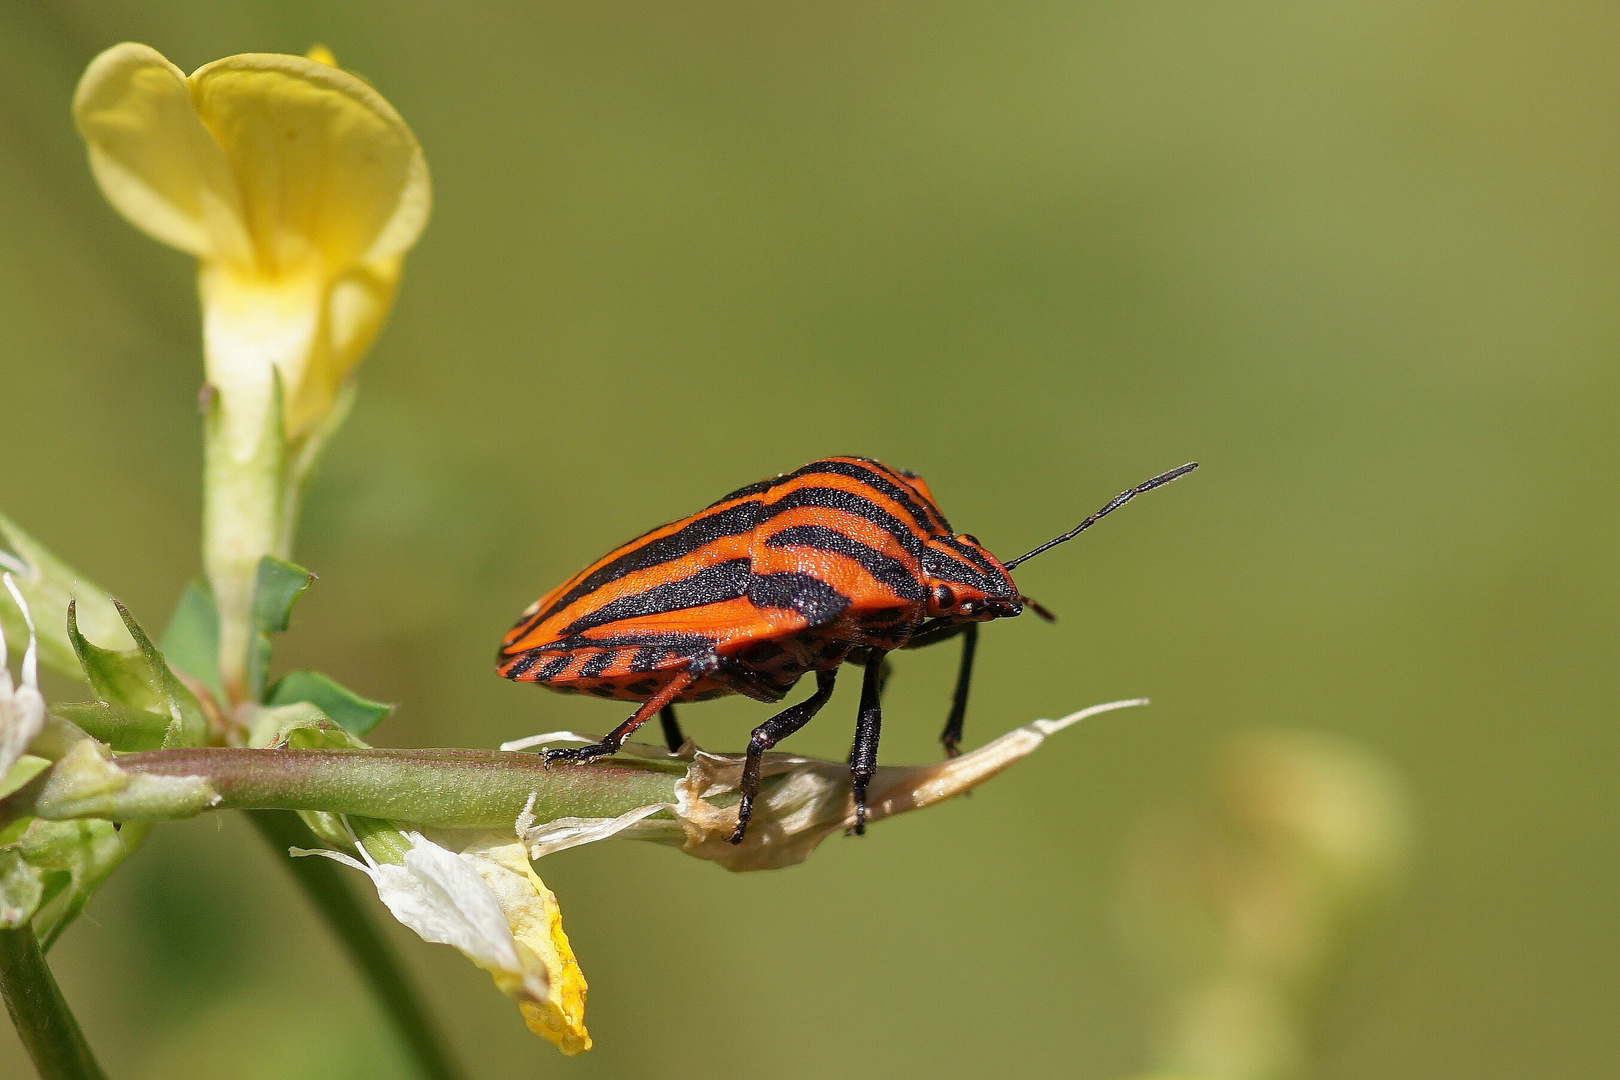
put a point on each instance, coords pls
(444, 900)
(22, 709)
(569, 832)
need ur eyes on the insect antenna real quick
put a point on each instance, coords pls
(1118, 501)
(1037, 607)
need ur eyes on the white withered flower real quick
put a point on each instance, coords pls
(22, 707)
(488, 903)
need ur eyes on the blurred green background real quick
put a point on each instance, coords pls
(1360, 259)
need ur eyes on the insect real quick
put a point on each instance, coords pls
(843, 560)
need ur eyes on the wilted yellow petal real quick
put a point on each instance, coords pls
(487, 902)
(152, 156)
(356, 306)
(536, 921)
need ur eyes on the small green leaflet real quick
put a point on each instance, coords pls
(140, 678)
(344, 707)
(279, 586)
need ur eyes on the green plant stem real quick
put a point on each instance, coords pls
(368, 948)
(451, 789)
(44, 1022)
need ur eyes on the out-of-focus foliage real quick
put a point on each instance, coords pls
(1358, 259)
(1243, 908)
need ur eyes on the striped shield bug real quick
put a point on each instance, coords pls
(843, 560)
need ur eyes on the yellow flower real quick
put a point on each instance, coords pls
(299, 190)
(297, 187)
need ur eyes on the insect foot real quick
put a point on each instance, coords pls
(576, 754)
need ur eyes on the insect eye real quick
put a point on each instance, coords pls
(944, 598)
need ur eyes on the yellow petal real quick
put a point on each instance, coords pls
(152, 156)
(322, 55)
(357, 304)
(330, 175)
(531, 911)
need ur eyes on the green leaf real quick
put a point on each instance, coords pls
(277, 589)
(48, 584)
(342, 706)
(140, 678)
(191, 640)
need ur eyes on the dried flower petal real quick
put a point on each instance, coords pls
(802, 800)
(490, 905)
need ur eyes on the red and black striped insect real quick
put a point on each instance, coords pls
(844, 559)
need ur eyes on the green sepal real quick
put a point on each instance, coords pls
(26, 768)
(344, 707)
(302, 726)
(191, 640)
(21, 889)
(140, 679)
(277, 589)
(72, 860)
(123, 727)
(48, 585)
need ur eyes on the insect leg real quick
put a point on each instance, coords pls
(935, 632)
(768, 734)
(868, 725)
(863, 656)
(673, 737)
(615, 738)
(952, 735)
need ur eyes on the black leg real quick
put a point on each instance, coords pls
(952, 735)
(767, 735)
(615, 738)
(868, 725)
(869, 656)
(673, 738)
(931, 633)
